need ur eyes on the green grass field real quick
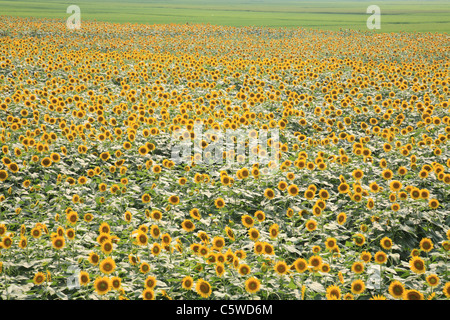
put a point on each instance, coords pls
(396, 16)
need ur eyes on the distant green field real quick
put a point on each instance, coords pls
(396, 16)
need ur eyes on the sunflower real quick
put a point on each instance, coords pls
(415, 252)
(423, 174)
(156, 215)
(317, 210)
(88, 217)
(300, 265)
(133, 259)
(116, 283)
(203, 288)
(446, 290)
(374, 187)
(316, 249)
(433, 203)
(415, 193)
(46, 162)
(359, 239)
(386, 243)
(150, 282)
(102, 285)
(330, 243)
(39, 278)
(94, 258)
(396, 289)
(244, 269)
(187, 225)
(395, 185)
(323, 194)
(156, 168)
(343, 188)
(83, 278)
(141, 238)
(240, 254)
(144, 267)
(357, 267)
(143, 150)
(311, 225)
(72, 217)
(309, 194)
(23, 242)
(348, 296)
(195, 247)
(210, 258)
(127, 216)
(220, 269)
(387, 174)
(358, 174)
(174, 200)
(252, 285)
(58, 242)
(358, 287)
(432, 280)
(282, 185)
(107, 247)
(402, 171)
(230, 233)
(258, 247)
(273, 230)
(315, 262)
(378, 297)
(380, 257)
(148, 294)
(229, 257)
(219, 203)
(424, 194)
(187, 283)
(417, 265)
(426, 244)
(82, 180)
(268, 249)
(218, 243)
(341, 218)
(446, 245)
(3, 175)
(105, 156)
(103, 237)
(107, 266)
(412, 295)
(269, 193)
(333, 293)
(293, 190)
(3, 229)
(253, 234)
(166, 238)
(247, 221)
(156, 249)
(290, 175)
(146, 198)
(325, 268)
(203, 236)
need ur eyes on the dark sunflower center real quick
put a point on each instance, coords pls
(204, 288)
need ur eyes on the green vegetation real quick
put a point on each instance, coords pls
(396, 16)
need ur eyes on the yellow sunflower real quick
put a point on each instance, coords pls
(102, 285)
(252, 285)
(107, 266)
(203, 288)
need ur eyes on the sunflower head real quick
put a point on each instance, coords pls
(252, 285)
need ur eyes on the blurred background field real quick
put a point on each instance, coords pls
(396, 16)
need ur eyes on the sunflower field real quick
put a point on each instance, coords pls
(92, 206)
